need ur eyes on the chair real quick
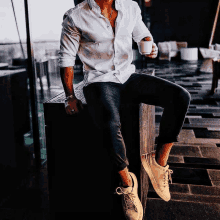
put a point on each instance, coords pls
(42, 69)
(216, 75)
(164, 51)
(169, 49)
(51, 52)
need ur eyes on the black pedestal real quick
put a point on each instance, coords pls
(81, 175)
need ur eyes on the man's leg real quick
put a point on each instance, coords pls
(175, 100)
(103, 101)
(125, 177)
(159, 92)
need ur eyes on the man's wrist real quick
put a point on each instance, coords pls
(70, 97)
(148, 38)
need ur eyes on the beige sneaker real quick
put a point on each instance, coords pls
(131, 203)
(158, 175)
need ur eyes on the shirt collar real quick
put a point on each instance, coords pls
(92, 3)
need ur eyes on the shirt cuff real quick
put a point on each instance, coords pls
(66, 62)
(140, 37)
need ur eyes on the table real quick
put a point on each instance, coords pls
(3, 66)
(189, 54)
(14, 116)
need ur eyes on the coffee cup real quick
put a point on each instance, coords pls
(145, 47)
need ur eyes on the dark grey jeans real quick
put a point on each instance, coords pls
(104, 100)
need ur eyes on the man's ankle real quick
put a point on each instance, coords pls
(161, 160)
(126, 178)
(125, 186)
(127, 183)
(161, 163)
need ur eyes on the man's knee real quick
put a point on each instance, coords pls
(186, 96)
(183, 96)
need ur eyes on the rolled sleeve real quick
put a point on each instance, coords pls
(69, 42)
(140, 30)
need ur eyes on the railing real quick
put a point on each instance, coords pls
(9, 51)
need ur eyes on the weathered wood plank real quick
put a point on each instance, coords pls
(147, 139)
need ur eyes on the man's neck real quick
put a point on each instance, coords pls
(105, 4)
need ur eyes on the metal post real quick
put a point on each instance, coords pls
(33, 94)
(214, 25)
(17, 29)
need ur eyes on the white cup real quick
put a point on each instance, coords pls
(145, 47)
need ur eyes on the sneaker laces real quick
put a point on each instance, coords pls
(167, 174)
(129, 199)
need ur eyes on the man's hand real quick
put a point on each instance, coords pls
(73, 106)
(154, 52)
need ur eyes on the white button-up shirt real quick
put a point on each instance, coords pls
(106, 56)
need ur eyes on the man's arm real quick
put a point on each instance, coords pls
(67, 76)
(72, 104)
(69, 44)
(140, 30)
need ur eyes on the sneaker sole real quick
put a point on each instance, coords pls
(136, 191)
(147, 168)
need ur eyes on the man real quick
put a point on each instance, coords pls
(101, 32)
